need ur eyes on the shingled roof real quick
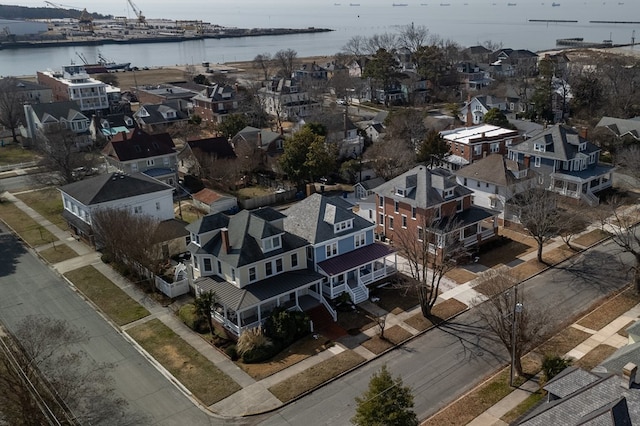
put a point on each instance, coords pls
(561, 143)
(495, 169)
(113, 186)
(139, 144)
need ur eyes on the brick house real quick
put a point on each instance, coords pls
(469, 144)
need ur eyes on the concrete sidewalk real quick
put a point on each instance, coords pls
(255, 396)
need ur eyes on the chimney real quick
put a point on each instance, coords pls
(629, 375)
(124, 136)
(584, 132)
(527, 161)
(225, 240)
(469, 122)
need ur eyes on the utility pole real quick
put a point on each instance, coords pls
(517, 308)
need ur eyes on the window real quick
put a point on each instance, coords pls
(381, 221)
(536, 161)
(486, 184)
(459, 206)
(538, 147)
(414, 212)
(219, 267)
(390, 222)
(195, 262)
(436, 212)
(150, 162)
(165, 161)
(396, 206)
(268, 269)
(187, 239)
(508, 142)
(495, 147)
(477, 149)
(464, 181)
(271, 243)
(137, 209)
(157, 205)
(448, 193)
(400, 192)
(252, 274)
(404, 221)
(420, 233)
(233, 275)
(360, 239)
(207, 264)
(279, 265)
(331, 249)
(381, 201)
(493, 202)
(294, 260)
(134, 167)
(478, 183)
(341, 226)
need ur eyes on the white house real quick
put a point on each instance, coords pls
(138, 193)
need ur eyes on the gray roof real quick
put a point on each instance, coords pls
(494, 169)
(570, 380)
(429, 187)
(23, 85)
(621, 127)
(257, 137)
(371, 183)
(113, 186)
(313, 218)
(561, 143)
(246, 231)
(155, 114)
(624, 355)
(240, 299)
(58, 110)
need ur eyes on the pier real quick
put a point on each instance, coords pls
(614, 22)
(579, 42)
(553, 20)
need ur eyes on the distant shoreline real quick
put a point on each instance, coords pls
(99, 41)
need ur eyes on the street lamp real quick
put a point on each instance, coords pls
(517, 308)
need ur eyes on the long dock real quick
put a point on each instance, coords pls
(614, 22)
(554, 20)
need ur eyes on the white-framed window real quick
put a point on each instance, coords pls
(279, 266)
(396, 206)
(436, 212)
(448, 193)
(341, 226)
(252, 274)
(459, 205)
(360, 239)
(390, 222)
(294, 260)
(271, 243)
(381, 219)
(536, 161)
(400, 192)
(331, 249)
(477, 149)
(508, 142)
(195, 263)
(380, 201)
(137, 209)
(414, 212)
(134, 167)
(207, 264)
(150, 162)
(420, 233)
(592, 158)
(268, 269)
(404, 221)
(495, 147)
(540, 147)
(493, 202)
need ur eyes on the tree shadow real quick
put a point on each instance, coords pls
(11, 249)
(475, 340)
(598, 270)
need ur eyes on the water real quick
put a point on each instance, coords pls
(468, 24)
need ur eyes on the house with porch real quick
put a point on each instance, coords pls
(286, 99)
(429, 203)
(216, 102)
(43, 120)
(342, 246)
(253, 265)
(159, 117)
(567, 163)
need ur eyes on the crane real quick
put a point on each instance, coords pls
(84, 18)
(141, 18)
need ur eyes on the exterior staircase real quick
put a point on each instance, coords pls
(324, 324)
(359, 293)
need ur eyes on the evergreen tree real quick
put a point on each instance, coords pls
(306, 156)
(387, 402)
(433, 149)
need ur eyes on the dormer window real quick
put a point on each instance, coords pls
(195, 238)
(539, 147)
(448, 193)
(582, 146)
(400, 192)
(271, 243)
(342, 226)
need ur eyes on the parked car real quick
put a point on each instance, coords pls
(341, 101)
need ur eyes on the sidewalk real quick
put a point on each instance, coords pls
(255, 397)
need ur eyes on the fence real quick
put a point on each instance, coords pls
(174, 289)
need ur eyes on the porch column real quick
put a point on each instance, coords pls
(224, 312)
(259, 314)
(296, 293)
(239, 322)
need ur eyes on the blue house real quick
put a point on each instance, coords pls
(342, 246)
(566, 163)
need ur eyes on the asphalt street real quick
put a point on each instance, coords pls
(449, 360)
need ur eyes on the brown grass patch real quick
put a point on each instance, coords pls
(563, 342)
(493, 287)
(355, 321)
(558, 255)
(595, 356)
(395, 299)
(111, 300)
(315, 376)
(523, 407)
(12, 153)
(460, 275)
(298, 351)
(440, 312)
(393, 336)
(189, 366)
(610, 310)
(59, 253)
(527, 269)
(504, 250)
(592, 237)
(28, 229)
(48, 203)
(154, 76)
(623, 331)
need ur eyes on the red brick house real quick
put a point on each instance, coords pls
(469, 144)
(431, 204)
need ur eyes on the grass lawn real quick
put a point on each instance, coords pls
(189, 366)
(189, 213)
(590, 238)
(523, 407)
(595, 356)
(28, 229)
(528, 269)
(306, 380)
(503, 251)
(460, 275)
(355, 321)
(393, 336)
(443, 310)
(395, 300)
(299, 351)
(110, 299)
(563, 342)
(58, 253)
(253, 191)
(610, 310)
(557, 255)
(48, 203)
(14, 154)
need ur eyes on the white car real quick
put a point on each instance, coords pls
(341, 102)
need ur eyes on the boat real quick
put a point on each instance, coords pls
(354, 4)
(512, 4)
(555, 4)
(103, 65)
(400, 4)
(445, 4)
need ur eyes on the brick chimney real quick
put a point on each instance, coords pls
(527, 161)
(584, 132)
(629, 375)
(224, 232)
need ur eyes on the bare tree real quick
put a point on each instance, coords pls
(431, 251)
(536, 209)
(500, 312)
(11, 105)
(285, 59)
(131, 238)
(413, 37)
(389, 158)
(45, 357)
(264, 63)
(357, 50)
(622, 226)
(385, 41)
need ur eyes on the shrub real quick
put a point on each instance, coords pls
(252, 339)
(552, 365)
(232, 352)
(286, 326)
(188, 315)
(261, 353)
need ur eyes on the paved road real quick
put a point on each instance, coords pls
(28, 287)
(447, 361)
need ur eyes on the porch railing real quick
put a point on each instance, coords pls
(590, 199)
(329, 309)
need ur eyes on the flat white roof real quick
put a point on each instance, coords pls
(464, 134)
